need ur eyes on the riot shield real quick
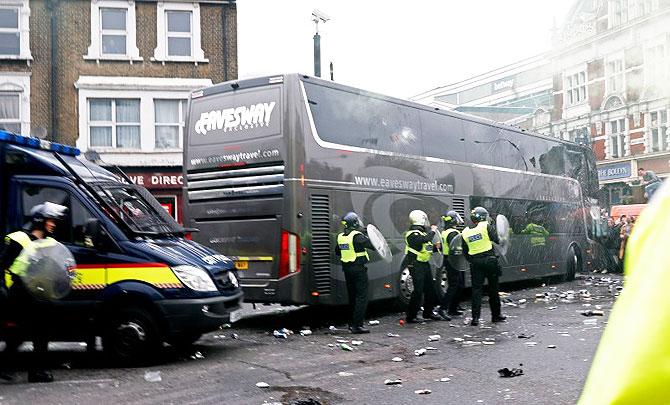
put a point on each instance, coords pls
(502, 227)
(50, 269)
(379, 242)
(456, 257)
(437, 258)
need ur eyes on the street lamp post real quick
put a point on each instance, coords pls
(318, 16)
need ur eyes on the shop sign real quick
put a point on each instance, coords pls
(613, 171)
(157, 180)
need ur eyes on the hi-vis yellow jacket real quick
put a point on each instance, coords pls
(632, 364)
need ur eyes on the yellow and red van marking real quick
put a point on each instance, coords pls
(98, 276)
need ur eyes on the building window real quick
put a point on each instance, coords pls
(655, 66)
(615, 76)
(575, 86)
(617, 138)
(14, 30)
(658, 130)
(579, 135)
(114, 123)
(10, 112)
(113, 31)
(640, 8)
(617, 12)
(178, 33)
(169, 123)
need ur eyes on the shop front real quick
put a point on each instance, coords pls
(164, 183)
(615, 179)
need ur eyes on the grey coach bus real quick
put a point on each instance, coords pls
(271, 164)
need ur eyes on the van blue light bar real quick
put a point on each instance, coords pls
(36, 143)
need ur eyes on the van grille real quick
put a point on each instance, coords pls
(321, 245)
(236, 183)
(459, 206)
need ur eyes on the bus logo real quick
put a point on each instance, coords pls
(235, 119)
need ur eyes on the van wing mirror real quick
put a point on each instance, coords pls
(94, 234)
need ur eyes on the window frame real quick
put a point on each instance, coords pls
(18, 120)
(573, 86)
(652, 73)
(181, 124)
(113, 123)
(660, 125)
(161, 50)
(613, 76)
(620, 135)
(18, 83)
(621, 13)
(23, 29)
(178, 34)
(104, 32)
(95, 48)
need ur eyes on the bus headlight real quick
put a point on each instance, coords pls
(195, 278)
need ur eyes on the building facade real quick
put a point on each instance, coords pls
(607, 74)
(113, 76)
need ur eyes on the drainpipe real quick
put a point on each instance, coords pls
(51, 6)
(224, 26)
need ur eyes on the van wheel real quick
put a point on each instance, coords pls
(573, 265)
(132, 336)
(405, 288)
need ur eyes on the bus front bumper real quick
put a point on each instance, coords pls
(199, 315)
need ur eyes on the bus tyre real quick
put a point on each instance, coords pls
(405, 288)
(132, 337)
(573, 265)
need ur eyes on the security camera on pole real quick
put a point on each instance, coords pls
(318, 16)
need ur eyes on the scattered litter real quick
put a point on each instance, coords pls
(225, 326)
(235, 336)
(524, 336)
(197, 356)
(423, 392)
(392, 335)
(593, 313)
(153, 376)
(375, 322)
(488, 342)
(393, 382)
(356, 342)
(332, 329)
(531, 344)
(331, 345)
(419, 352)
(522, 301)
(565, 334)
(551, 308)
(346, 347)
(342, 341)
(458, 339)
(66, 366)
(509, 373)
(305, 332)
(401, 322)
(590, 321)
(345, 374)
(396, 359)
(279, 335)
(469, 343)
(262, 384)
(434, 338)
(551, 346)
(443, 379)
(431, 348)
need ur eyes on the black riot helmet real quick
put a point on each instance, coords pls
(479, 214)
(451, 219)
(351, 221)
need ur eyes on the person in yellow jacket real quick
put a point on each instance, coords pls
(632, 363)
(30, 314)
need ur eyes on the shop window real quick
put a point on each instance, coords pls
(575, 87)
(178, 32)
(114, 123)
(10, 112)
(169, 123)
(659, 131)
(617, 138)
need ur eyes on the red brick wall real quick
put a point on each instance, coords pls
(599, 149)
(638, 148)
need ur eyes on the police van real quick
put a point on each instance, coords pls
(139, 281)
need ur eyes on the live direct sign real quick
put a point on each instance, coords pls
(157, 180)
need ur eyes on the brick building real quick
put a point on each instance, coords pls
(604, 83)
(112, 77)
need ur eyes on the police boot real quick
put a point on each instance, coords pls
(499, 318)
(444, 315)
(40, 376)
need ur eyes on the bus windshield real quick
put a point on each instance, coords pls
(136, 211)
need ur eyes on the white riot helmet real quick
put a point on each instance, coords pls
(418, 217)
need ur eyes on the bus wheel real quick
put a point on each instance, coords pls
(573, 265)
(132, 336)
(405, 288)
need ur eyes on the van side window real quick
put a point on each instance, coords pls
(71, 229)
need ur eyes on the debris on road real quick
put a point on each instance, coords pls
(531, 344)
(592, 312)
(443, 379)
(153, 376)
(431, 348)
(262, 384)
(345, 374)
(488, 342)
(305, 332)
(551, 346)
(396, 359)
(423, 392)
(197, 356)
(509, 373)
(458, 339)
(342, 341)
(524, 336)
(356, 342)
(332, 329)
(434, 338)
(346, 347)
(235, 336)
(393, 382)
(392, 335)
(419, 352)
(375, 322)
(279, 335)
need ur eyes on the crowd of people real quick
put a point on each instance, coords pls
(615, 239)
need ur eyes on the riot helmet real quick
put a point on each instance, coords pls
(451, 219)
(351, 221)
(479, 214)
(418, 217)
(42, 212)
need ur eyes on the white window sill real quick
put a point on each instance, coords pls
(123, 58)
(16, 57)
(180, 59)
(108, 149)
(167, 150)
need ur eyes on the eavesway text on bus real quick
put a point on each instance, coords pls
(235, 119)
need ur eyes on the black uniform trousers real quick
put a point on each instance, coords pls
(482, 268)
(455, 286)
(424, 287)
(356, 276)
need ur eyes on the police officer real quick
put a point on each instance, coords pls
(478, 248)
(32, 315)
(351, 245)
(418, 248)
(455, 278)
